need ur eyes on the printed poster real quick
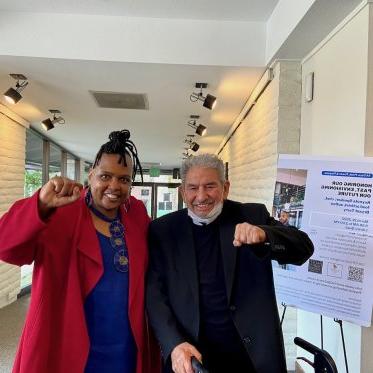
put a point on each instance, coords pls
(331, 200)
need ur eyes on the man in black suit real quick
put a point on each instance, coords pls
(210, 291)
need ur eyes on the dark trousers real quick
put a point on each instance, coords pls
(226, 358)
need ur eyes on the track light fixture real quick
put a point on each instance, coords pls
(48, 123)
(200, 128)
(192, 144)
(13, 95)
(209, 101)
(186, 154)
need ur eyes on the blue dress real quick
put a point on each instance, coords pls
(112, 346)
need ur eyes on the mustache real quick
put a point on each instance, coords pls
(205, 202)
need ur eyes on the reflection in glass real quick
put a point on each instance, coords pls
(54, 161)
(33, 181)
(143, 193)
(70, 167)
(167, 200)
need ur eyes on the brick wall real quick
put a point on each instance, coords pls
(272, 127)
(12, 169)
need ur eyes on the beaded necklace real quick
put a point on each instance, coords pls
(117, 241)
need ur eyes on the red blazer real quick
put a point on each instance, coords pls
(67, 265)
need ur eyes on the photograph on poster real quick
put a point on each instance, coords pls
(288, 198)
(288, 201)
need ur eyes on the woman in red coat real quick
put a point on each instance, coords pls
(90, 257)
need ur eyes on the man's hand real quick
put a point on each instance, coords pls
(181, 357)
(57, 192)
(246, 233)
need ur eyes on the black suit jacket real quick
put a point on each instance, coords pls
(172, 294)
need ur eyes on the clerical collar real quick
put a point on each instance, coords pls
(212, 216)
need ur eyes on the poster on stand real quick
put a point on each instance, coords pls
(331, 200)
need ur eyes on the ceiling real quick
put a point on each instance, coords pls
(242, 10)
(158, 132)
(81, 46)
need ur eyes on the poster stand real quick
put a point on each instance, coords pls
(283, 312)
(338, 321)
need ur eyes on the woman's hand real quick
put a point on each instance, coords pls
(57, 192)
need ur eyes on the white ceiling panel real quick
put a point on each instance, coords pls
(159, 131)
(243, 10)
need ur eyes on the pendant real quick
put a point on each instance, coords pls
(116, 228)
(117, 242)
(121, 261)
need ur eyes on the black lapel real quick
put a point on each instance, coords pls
(229, 252)
(186, 253)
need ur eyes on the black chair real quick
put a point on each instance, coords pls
(322, 362)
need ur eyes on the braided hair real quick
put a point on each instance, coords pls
(120, 143)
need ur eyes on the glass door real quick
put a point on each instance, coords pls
(159, 198)
(144, 193)
(167, 199)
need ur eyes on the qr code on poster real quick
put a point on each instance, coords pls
(355, 274)
(315, 266)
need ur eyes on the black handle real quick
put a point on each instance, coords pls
(306, 345)
(323, 362)
(197, 366)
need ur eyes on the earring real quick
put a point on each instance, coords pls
(88, 197)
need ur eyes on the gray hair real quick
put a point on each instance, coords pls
(203, 160)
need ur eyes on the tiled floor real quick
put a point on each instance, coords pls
(11, 322)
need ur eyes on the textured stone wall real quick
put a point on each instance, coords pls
(12, 171)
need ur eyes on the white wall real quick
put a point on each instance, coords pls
(252, 151)
(334, 123)
(283, 20)
(272, 127)
(369, 118)
(12, 169)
